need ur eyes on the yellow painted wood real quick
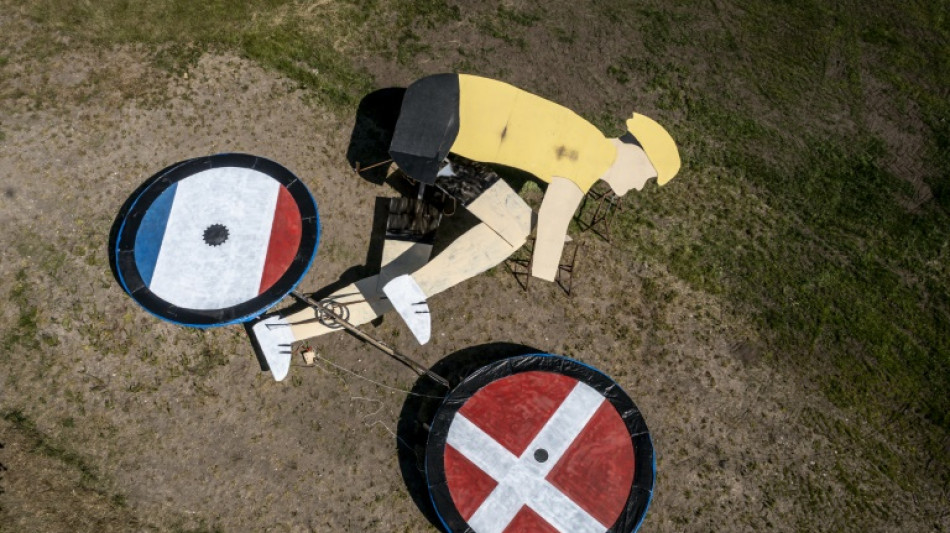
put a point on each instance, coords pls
(499, 123)
(658, 145)
(484, 109)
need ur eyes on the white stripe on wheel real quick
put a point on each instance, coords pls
(521, 480)
(191, 274)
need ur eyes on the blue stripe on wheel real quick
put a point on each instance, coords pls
(148, 240)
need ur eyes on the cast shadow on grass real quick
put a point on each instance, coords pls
(421, 406)
(373, 132)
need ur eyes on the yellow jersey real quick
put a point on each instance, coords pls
(499, 123)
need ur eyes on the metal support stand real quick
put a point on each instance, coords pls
(565, 270)
(520, 266)
(608, 205)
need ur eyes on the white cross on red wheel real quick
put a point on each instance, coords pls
(537, 451)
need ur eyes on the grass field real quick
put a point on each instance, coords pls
(814, 201)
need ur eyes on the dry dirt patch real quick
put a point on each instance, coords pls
(183, 431)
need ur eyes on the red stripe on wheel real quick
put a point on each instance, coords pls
(513, 410)
(528, 521)
(467, 483)
(597, 470)
(284, 240)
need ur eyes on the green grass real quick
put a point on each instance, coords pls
(25, 332)
(800, 226)
(412, 17)
(505, 24)
(42, 445)
(309, 43)
(788, 206)
(267, 31)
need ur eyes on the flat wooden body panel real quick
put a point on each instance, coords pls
(499, 123)
(558, 207)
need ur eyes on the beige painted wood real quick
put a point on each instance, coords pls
(393, 248)
(477, 250)
(474, 252)
(557, 208)
(506, 224)
(631, 170)
(363, 303)
(504, 211)
(364, 299)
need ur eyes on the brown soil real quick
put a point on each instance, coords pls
(114, 420)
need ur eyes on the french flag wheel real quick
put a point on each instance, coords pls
(539, 443)
(217, 240)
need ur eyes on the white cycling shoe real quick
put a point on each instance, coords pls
(273, 340)
(409, 301)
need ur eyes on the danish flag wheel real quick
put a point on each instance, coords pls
(539, 443)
